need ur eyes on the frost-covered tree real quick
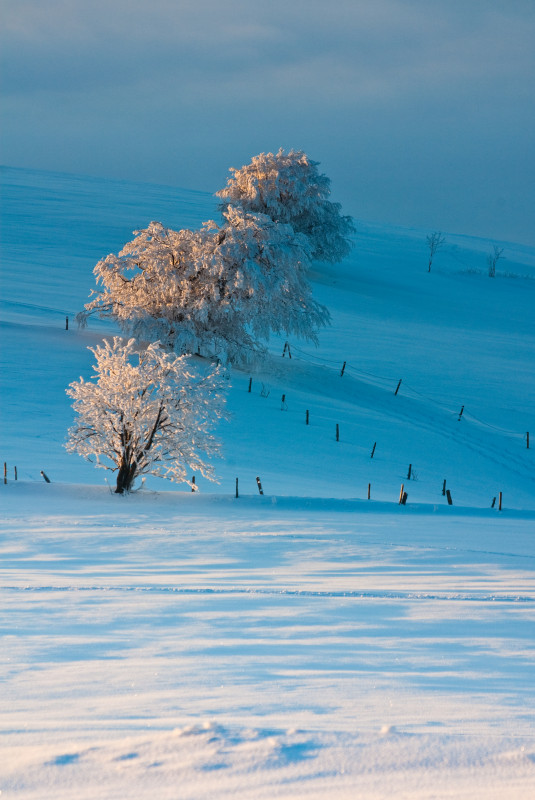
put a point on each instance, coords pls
(147, 412)
(288, 188)
(435, 241)
(493, 258)
(218, 291)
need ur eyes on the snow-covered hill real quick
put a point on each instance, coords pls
(457, 339)
(309, 642)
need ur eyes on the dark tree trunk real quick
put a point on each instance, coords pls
(127, 461)
(125, 477)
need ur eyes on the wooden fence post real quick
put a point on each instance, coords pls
(237, 495)
(409, 473)
(401, 493)
(66, 323)
(343, 369)
(194, 487)
(250, 384)
(527, 439)
(5, 472)
(259, 484)
(397, 387)
(369, 490)
(287, 348)
(448, 495)
(460, 414)
(373, 449)
(337, 432)
(499, 501)
(493, 502)
(15, 472)
(444, 488)
(45, 476)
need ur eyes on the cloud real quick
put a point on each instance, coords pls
(379, 47)
(172, 88)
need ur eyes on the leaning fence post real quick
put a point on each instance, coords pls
(287, 348)
(373, 449)
(397, 387)
(448, 495)
(259, 484)
(343, 369)
(45, 476)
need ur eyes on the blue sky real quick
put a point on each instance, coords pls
(420, 111)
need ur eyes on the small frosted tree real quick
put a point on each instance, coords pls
(493, 258)
(218, 291)
(147, 412)
(288, 188)
(434, 242)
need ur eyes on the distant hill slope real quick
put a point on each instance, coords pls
(455, 337)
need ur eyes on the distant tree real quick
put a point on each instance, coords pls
(147, 412)
(434, 242)
(218, 291)
(493, 258)
(288, 188)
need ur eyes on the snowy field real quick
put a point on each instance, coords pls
(309, 642)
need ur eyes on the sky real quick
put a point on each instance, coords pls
(421, 112)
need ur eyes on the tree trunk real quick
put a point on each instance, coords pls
(127, 461)
(125, 477)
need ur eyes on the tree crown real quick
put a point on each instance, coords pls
(289, 188)
(147, 412)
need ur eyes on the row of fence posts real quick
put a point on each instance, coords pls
(402, 494)
(5, 472)
(402, 500)
(287, 350)
(15, 474)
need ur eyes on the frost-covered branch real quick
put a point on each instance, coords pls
(219, 291)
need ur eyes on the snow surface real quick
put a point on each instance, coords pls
(310, 642)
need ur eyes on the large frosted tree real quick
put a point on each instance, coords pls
(218, 291)
(147, 412)
(289, 188)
